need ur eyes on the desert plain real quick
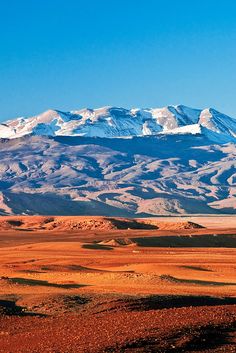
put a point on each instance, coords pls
(103, 284)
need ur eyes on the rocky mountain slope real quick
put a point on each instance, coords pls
(115, 162)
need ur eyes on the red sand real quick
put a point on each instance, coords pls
(115, 290)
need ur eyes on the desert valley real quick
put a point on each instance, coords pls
(103, 284)
(117, 176)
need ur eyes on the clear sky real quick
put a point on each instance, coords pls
(70, 54)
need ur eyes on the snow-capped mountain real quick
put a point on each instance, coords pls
(113, 122)
(118, 162)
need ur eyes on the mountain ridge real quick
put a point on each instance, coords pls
(114, 122)
(50, 165)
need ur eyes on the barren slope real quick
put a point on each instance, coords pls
(135, 177)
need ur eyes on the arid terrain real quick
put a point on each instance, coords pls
(102, 284)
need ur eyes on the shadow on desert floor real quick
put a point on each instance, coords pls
(34, 282)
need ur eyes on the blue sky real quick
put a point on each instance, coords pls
(69, 54)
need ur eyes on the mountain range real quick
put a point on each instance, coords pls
(119, 162)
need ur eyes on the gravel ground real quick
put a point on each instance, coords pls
(115, 324)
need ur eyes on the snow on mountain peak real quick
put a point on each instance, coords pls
(120, 122)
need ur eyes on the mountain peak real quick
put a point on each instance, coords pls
(111, 121)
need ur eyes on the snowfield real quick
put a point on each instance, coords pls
(113, 122)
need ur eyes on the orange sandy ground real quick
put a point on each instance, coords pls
(67, 275)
